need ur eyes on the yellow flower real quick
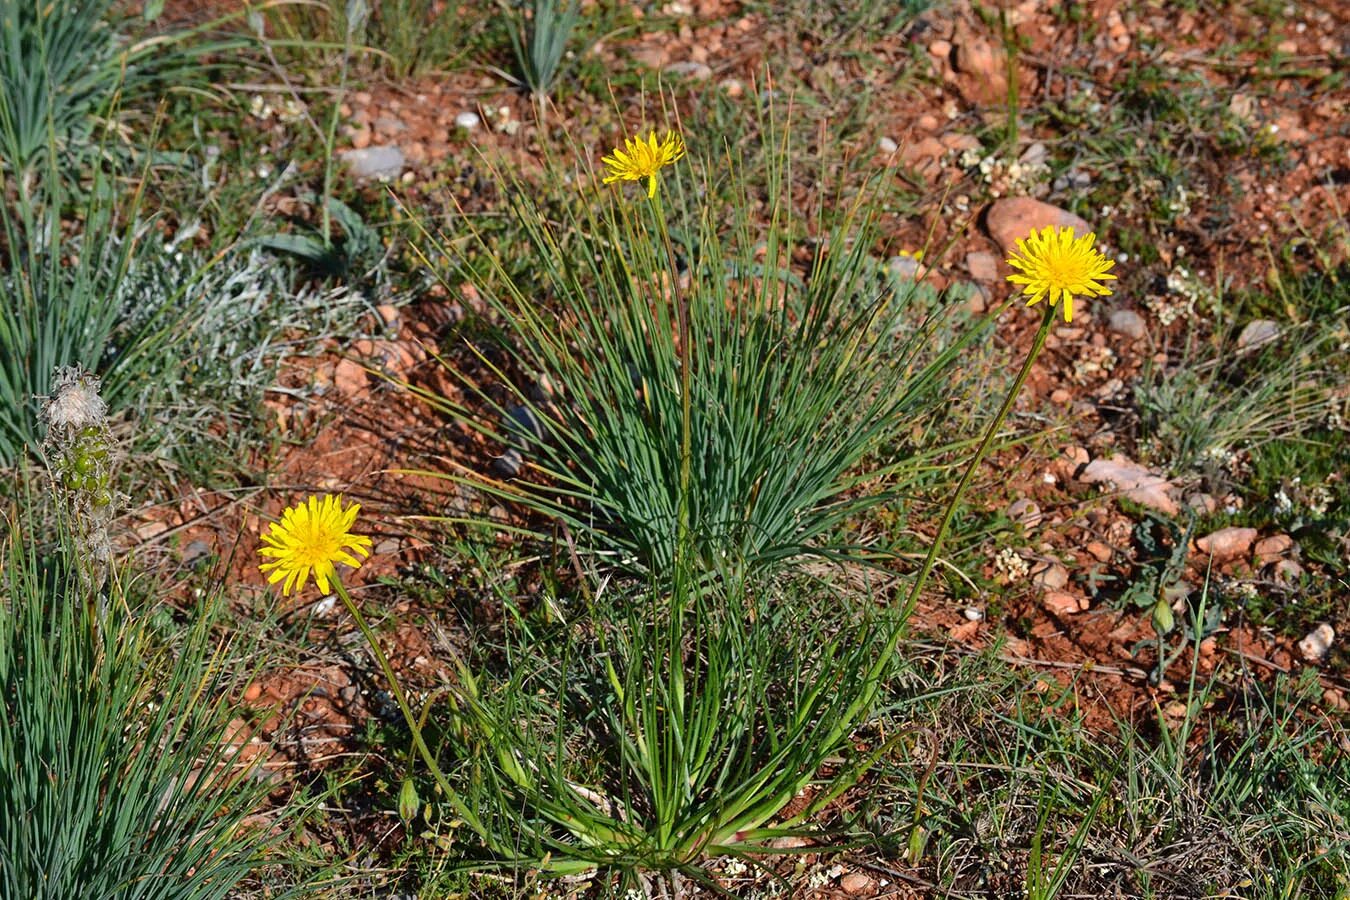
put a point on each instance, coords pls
(639, 159)
(311, 537)
(1056, 264)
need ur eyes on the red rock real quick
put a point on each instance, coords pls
(1100, 552)
(1272, 548)
(855, 883)
(1227, 543)
(1062, 603)
(1049, 575)
(1012, 219)
(1134, 482)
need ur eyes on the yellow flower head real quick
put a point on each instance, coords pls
(311, 537)
(639, 158)
(1055, 263)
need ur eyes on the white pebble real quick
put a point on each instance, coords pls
(467, 120)
(974, 614)
(887, 145)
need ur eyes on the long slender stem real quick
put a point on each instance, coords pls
(461, 808)
(980, 453)
(682, 538)
(879, 665)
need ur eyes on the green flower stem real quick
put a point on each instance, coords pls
(461, 808)
(874, 675)
(1047, 318)
(686, 379)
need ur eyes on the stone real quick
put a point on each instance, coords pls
(941, 49)
(959, 142)
(982, 266)
(389, 125)
(1034, 155)
(887, 146)
(1272, 548)
(1314, 646)
(467, 120)
(927, 122)
(1257, 333)
(1025, 511)
(1099, 551)
(1228, 543)
(1014, 218)
(903, 267)
(855, 883)
(382, 162)
(1049, 575)
(1135, 482)
(732, 87)
(695, 71)
(1202, 504)
(1061, 603)
(1288, 570)
(973, 614)
(922, 151)
(349, 377)
(1127, 322)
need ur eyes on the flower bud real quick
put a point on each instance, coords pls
(1163, 619)
(407, 801)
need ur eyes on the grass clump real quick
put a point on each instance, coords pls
(671, 728)
(118, 771)
(691, 376)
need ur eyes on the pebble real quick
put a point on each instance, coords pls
(1014, 218)
(1034, 155)
(887, 146)
(921, 151)
(855, 883)
(941, 49)
(349, 377)
(1258, 332)
(982, 266)
(732, 87)
(467, 120)
(696, 71)
(1099, 551)
(960, 142)
(375, 162)
(1025, 511)
(1272, 548)
(1204, 504)
(1134, 482)
(1061, 603)
(509, 463)
(1061, 396)
(252, 692)
(927, 122)
(1228, 543)
(1315, 645)
(1050, 575)
(1127, 322)
(1288, 570)
(974, 615)
(1075, 179)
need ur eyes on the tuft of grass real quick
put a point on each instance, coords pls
(669, 729)
(796, 369)
(67, 66)
(540, 41)
(118, 774)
